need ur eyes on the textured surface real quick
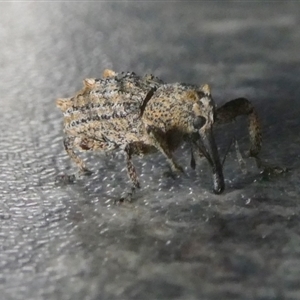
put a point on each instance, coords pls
(179, 241)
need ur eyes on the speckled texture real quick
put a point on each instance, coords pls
(179, 241)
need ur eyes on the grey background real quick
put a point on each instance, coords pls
(178, 240)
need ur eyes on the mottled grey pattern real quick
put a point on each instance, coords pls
(179, 241)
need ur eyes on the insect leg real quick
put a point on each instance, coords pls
(159, 141)
(241, 106)
(70, 144)
(237, 107)
(131, 172)
(130, 167)
(193, 140)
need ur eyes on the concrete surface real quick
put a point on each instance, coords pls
(178, 240)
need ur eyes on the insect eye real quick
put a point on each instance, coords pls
(198, 122)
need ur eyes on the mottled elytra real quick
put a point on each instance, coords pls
(142, 114)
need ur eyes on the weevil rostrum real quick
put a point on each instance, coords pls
(141, 115)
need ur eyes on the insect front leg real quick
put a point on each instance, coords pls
(193, 139)
(241, 106)
(237, 107)
(159, 141)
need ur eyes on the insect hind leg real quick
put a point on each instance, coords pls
(132, 174)
(70, 144)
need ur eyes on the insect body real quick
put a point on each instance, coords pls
(140, 115)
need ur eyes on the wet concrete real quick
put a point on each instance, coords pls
(178, 240)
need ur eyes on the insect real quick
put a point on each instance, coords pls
(141, 114)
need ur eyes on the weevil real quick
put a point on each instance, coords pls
(141, 114)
